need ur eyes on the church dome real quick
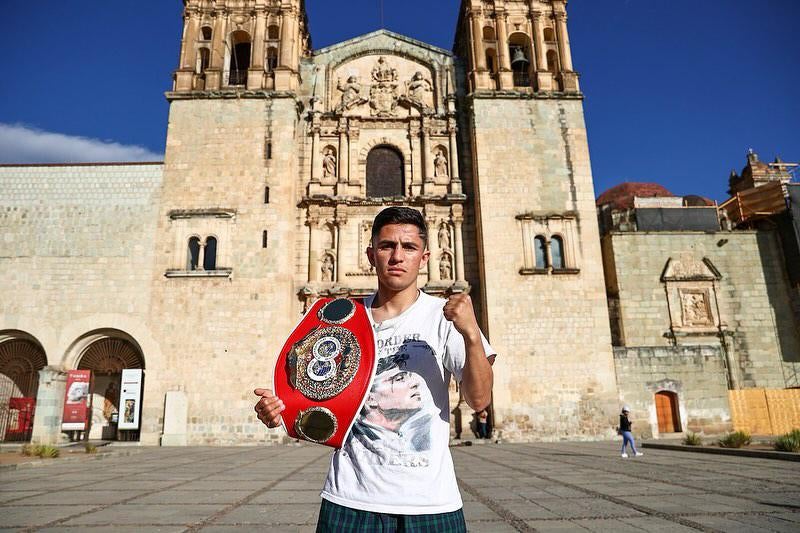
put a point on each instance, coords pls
(621, 196)
(694, 200)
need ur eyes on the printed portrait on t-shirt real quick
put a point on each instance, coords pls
(395, 422)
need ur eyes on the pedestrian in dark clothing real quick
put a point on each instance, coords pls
(627, 437)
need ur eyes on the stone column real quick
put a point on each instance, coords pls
(454, 170)
(477, 41)
(458, 219)
(190, 38)
(563, 41)
(427, 160)
(344, 152)
(506, 78)
(316, 152)
(201, 256)
(312, 221)
(538, 41)
(184, 76)
(49, 405)
(288, 38)
(214, 72)
(433, 246)
(342, 243)
(255, 76)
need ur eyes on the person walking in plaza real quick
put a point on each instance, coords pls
(627, 436)
(394, 471)
(483, 425)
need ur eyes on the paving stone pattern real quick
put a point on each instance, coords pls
(513, 487)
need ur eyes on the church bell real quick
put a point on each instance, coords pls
(519, 61)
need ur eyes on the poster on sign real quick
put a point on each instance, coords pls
(77, 400)
(130, 399)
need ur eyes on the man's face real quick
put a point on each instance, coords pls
(397, 394)
(397, 253)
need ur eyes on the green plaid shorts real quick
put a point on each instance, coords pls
(335, 518)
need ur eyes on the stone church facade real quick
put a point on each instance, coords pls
(278, 157)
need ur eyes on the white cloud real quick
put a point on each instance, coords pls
(23, 144)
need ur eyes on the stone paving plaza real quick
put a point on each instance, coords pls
(509, 487)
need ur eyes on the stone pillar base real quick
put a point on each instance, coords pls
(285, 79)
(255, 79)
(213, 79)
(49, 406)
(184, 79)
(544, 81)
(176, 418)
(506, 80)
(570, 80)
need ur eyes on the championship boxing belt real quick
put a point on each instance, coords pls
(324, 371)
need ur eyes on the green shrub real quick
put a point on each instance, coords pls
(789, 442)
(737, 439)
(48, 452)
(90, 448)
(692, 439)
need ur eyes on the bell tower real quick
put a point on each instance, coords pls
(516, 44)
(539, 260)
(242, 44)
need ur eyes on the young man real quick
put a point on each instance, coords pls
(395, 472)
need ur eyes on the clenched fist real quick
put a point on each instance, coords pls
(268, 408)
(459, 311)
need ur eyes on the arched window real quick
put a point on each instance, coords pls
(540, 251)
(488, 33)
(519, 47)
(552, 61)
(491, 60)
(210, 257)
(240, 58)
(385, 175)
(193, 255)
(203, 60)
(273, 32)
(549, 35)
(667, 412)
(205, 31)
(557, 253)
(272, 58)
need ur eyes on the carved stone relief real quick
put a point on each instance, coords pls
(329, 163)
(446, 267)
(364, 236)
(696, 308)
(444, 237)
(327, 268)
(385, 92)
(440, 165)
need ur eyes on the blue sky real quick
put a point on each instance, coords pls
(676, 90)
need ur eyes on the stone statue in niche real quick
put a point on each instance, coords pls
(383, 96)
(329, 163)
(446, 268)
(351, 94)
(418, 89)
(444, 237)
(695, 309)
(440, 167)
(327, 268)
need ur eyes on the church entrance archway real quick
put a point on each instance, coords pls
(107, 357)
(385, 173)
(669, 420)
(20, 362)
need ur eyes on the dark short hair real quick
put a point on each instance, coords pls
(400, 215)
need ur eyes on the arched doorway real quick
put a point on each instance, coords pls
(20, 362)
(385, 176)
(107, 358)
(667, 412)
(239, 58)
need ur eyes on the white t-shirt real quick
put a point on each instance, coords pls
(396, 459)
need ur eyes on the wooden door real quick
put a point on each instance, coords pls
(667, 412)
